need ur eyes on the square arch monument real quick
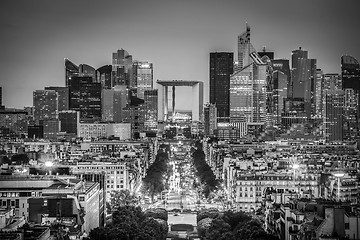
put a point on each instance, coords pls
(197, 97)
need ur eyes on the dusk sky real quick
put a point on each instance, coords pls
(176, 36)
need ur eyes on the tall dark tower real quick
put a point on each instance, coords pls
(303, 79)
(85, 97)
(350, 73)
(221, 67)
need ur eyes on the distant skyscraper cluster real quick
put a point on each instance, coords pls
(251, 95)
(121, 93)
(258, 92)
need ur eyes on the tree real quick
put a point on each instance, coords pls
(153, 183)
(207, 213)
(235, 218)
(219, 229)
(203, 225)
(130, 222)
(121, 198)
(157, 213)
(251, 230)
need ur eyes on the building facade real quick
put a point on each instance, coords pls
(85, 97)
(45, 104)
(221, 67)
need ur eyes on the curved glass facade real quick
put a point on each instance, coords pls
(87, 71)
(103, 76)
(70, 70)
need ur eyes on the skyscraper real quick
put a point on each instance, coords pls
(319, 92)
(280, 81)
(103, 76)
(283, 66)
(350, 74)
(122, 72)
(87, 71)
(85, 97)
(63, 97)
(113, 102)
(244, 49)
(71, 70)
(69, 121)
(221, 67)
(210, 123)
(248, 92)
(333, 115)
(303, 79)
(45, 104)
(143, 77)
(150, 109)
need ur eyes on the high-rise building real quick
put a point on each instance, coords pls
(45, 104)
(283, 66)
(319, 92)
(122, 72)
(87, 71)
(210, 123)
(85, 97)
(280, 82)
(221, 67)
(35, 131)
(303, 79)
(13, 121)
(51, 128)
(143, 77)
(350, 74)
(69, 121)
(150, 108)
(113, 103)
(248, 92)
(71, 70)
(331, 81)
(244, 49)
(134, 113)
(333, 115)
(63, 97)
(103, 76)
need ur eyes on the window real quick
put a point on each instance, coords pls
(347, 225)
(17, 203)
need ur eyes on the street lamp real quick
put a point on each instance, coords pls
(338, 176)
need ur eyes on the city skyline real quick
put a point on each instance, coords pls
(176, 37)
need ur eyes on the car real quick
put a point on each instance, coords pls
(176, 214)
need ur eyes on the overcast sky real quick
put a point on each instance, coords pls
(176, 35)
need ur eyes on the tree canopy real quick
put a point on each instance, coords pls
(203, 170)
(121, 198)
(230, 226)
(131, 223)
(157, 173)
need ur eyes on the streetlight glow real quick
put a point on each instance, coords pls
(338, 175)
(295, 166)
(49, 164)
